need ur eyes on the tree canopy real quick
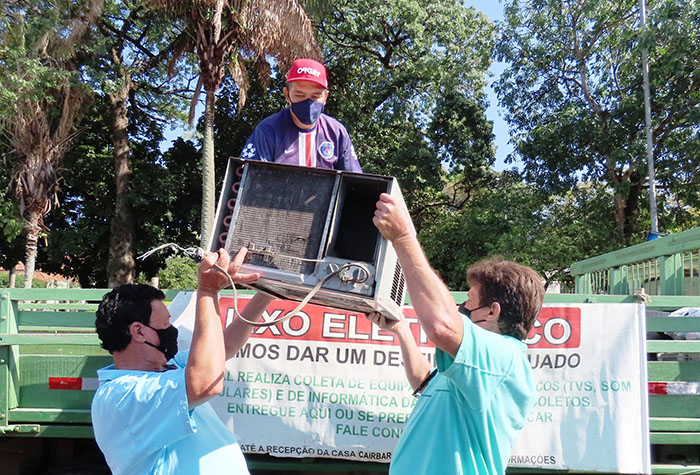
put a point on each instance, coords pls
(573, 96)
(41, 99)
(424, 110)
(407, 79)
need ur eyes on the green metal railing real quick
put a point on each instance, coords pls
(665, 274)
(666, 266)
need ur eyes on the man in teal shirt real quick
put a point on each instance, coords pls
(473, 405)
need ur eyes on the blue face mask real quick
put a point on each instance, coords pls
(307, 111)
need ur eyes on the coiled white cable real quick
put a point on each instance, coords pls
(296, 310)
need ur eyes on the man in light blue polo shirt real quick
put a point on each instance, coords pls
(473, 405)
(151, 413)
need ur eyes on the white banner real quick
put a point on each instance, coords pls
(326, 383)
(591, 411)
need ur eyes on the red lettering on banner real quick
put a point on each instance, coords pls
(556, 327)
(318, 323)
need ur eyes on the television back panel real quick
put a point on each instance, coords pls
(301, 224)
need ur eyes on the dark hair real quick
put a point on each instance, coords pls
(120, 308)
(518, 289)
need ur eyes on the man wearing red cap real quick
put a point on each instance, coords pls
(302, 134)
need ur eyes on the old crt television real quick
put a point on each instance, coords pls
(301, 224)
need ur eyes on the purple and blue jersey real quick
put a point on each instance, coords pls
(327, 145)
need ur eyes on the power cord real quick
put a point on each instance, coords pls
(194, 253)
(298, 308)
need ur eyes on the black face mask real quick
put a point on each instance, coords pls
(468, 312)
(168, 341)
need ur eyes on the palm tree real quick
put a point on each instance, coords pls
(236, 34)
(42, 100)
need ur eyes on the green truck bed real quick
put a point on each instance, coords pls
(47, 339)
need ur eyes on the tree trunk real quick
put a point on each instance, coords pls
(31, 229)
(121, 265)
(12, 277)
(632, 208)
(620, 204)
(627, 211)
(208, 178)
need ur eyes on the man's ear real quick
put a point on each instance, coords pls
(495, 311)
(325, 96)
(286, 95)
(136, 332)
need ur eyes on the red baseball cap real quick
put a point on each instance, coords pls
(308, 70)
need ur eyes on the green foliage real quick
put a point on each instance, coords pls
(19, 281)
(164, 197)
(574, 99)
(41, 102)
(410, 91)
(516, 221)
(32, 52)
(11, 239)
(10, 219)
(12, 242)
(40, 42)
(179, 273)
(406, 78)
(232, 128)
(133, 46)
